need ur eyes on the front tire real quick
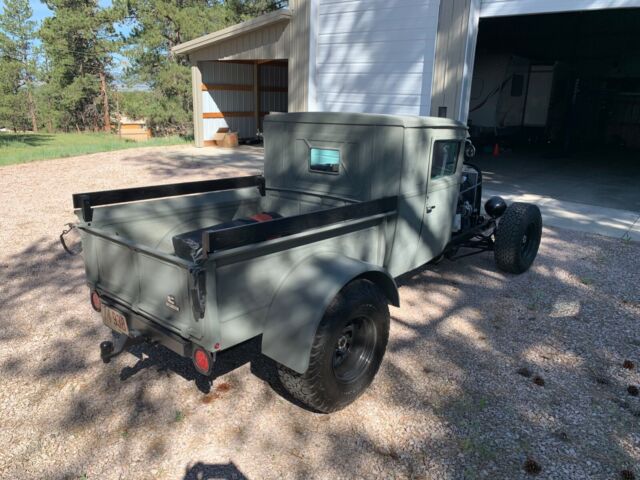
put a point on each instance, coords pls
(518, 237)
(347, 350)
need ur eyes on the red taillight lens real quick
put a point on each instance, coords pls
(95, 301)
(202, 361)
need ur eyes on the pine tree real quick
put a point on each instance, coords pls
(241, 10)
(79, 41)
(159, 25)
(17, 65)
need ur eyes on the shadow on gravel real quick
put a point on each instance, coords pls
(175, 164)
(468, 367)
(28, 282)
(204, 471)
(516, 332)
(464, 367)
(162, 359)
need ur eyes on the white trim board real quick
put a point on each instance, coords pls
(469, 60)
(314, 18)
(500, 8)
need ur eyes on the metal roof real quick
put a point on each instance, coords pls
(282, 15)
(407, 121)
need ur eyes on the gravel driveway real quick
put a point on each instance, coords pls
(486, 374)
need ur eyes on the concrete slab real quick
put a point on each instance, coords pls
(603, 179)
(587, 218)
(610, 222)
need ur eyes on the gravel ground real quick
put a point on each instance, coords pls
(484, 371)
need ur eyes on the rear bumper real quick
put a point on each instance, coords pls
(145, 329)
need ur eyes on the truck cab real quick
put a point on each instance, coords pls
(417, 159)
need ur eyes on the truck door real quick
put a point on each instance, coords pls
(443, 185)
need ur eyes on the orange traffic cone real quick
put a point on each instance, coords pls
(496, 150)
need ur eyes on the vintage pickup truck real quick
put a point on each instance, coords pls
(304, 256)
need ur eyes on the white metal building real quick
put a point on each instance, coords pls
(392, 56)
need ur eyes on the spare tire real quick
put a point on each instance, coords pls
(518, 237)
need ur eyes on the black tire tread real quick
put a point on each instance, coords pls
(307, 388)
(509, 235)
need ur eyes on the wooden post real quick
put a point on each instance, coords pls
(196, 89)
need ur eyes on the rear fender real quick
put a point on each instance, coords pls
(302, 299)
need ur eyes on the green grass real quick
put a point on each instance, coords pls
(29, 147)
(179, 416)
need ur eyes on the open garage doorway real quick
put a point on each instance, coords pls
(236, 95)
(555, 105)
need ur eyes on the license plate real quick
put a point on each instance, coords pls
(114, 320)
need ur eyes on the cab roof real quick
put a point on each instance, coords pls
(406, 121)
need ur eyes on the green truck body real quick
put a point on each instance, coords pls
(383, 208)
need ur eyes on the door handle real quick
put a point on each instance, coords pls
(430, 209)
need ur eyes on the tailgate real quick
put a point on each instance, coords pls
(153, 284)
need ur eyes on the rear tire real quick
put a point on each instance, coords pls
(518, 237)
(346, 352)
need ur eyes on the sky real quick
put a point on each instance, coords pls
(40, 10)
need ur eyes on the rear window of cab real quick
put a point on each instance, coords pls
(325, 160)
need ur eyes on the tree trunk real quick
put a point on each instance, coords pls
(49, 120)
(105, 102)
(32, 110)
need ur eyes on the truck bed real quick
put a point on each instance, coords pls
(131, 259)
(154, 224)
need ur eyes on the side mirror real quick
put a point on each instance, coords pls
(469, 149)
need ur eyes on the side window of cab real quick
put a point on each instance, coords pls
(444, 160)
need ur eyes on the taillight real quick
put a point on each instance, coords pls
(95, 301)
(202, 361)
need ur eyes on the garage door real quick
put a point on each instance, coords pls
(374, 56)
(498, 8)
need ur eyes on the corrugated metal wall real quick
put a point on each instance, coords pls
(269, 42)
(221, 78)
(286, 40)
(282, 41)
(229, 95)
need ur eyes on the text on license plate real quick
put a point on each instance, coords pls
(114, 320)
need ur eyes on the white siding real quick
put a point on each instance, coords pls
(497, 8)
(373, 56)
